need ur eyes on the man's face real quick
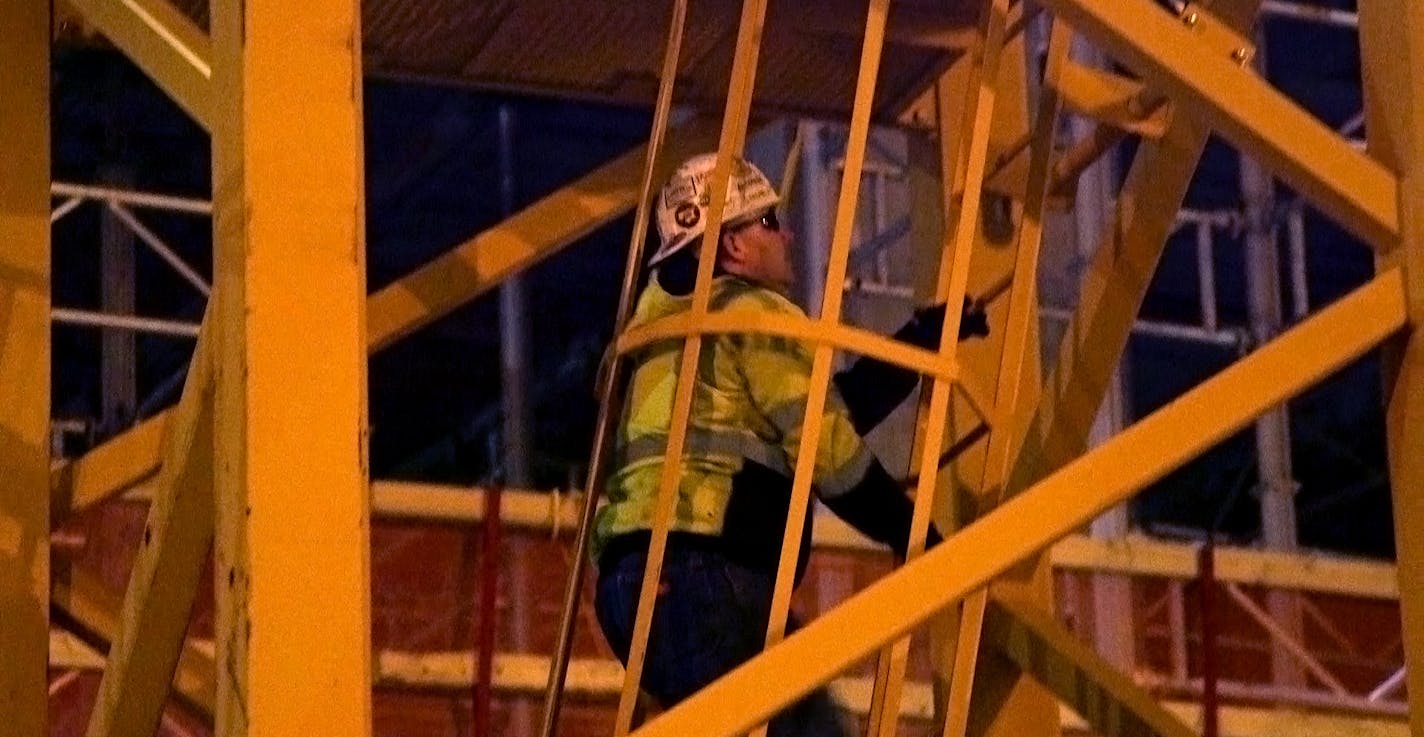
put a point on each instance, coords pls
(760, 251)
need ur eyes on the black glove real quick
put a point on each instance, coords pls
(925, 326)
(973, 320)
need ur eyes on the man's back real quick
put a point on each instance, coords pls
(748, 405)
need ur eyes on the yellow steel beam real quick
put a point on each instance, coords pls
(1109, 702)
(1139, 555)
(122, 463)
(730, 142)
(164, 43)
(164, 580)
(1123, 106)
(1315, 160)
(89, 608)
(1247, 721)
(523, 674)
(1116, 282)
(427, 294)
(68, 652)
(1113, 99)
(24, 365)
(292, 543)
(1392, 60)
(847, 203)
(1088, 149)
(1112, 291)
(941, 175)
(1016, 390)
(524, 239)
(555, 511)
(1133, 555)
(846, 338)
(1050, 509)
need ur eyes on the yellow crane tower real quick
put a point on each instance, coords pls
(292, 652)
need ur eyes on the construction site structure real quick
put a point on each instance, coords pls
(1041, 613)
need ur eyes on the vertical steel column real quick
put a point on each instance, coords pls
(1206, 563)
(610, 378)
(513, 329)
(117, 359)
(847, 203)
(815, 233)
(518, 413)
(1300, 284)
(1007, 701)
(1276, 484)
(730, 143)
(1392, 51)
(1206, 274)
(482, 693)
(24, 365)
(964, 185)
(292, 549)
(1092, 216)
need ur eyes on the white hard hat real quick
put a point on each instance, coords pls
(682, 205)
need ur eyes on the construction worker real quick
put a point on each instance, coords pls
(744, 432)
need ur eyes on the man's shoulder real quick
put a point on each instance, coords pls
(731, 293)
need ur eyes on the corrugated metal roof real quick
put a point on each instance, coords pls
(611, 50)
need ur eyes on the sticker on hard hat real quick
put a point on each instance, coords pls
(687, 215)
(680, 189)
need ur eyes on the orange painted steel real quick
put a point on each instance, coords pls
(1008, 400)
(734, 132)
(1045, 512)
(843, 337)
(25, 357)
(1392, 68)
(611, 377)
(821, 361)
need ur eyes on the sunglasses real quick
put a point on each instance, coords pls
(767, 220)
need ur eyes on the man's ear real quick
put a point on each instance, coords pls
(734, 248)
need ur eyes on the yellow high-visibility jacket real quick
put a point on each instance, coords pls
(748, 406)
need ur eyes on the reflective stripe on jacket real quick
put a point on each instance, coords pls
(748, 405)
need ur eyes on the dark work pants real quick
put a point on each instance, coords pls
(710, 617)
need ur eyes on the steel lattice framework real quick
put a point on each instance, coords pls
(274, 354)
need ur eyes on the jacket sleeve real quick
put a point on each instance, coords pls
(849, 480)
(872, 388)
(877, 507)
(776, 375)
